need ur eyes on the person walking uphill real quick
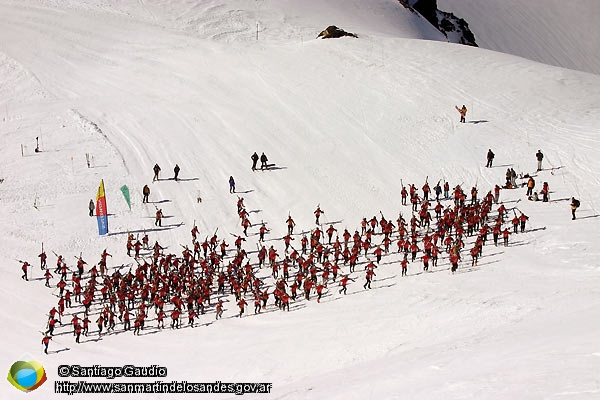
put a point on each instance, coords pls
(463, 113)
(231, 185)
(176, 171)
(254, 158)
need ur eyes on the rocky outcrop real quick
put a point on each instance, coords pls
(334, 32)
(454, 28)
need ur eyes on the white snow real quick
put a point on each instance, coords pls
(138, 83)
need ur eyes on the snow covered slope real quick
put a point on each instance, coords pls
(554, 32)
(344, 121)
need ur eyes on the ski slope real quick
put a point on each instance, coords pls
(345, 122)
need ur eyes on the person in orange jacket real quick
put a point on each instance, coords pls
(530, 186)
(523, 220)
(463, 113)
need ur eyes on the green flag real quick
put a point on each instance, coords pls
(125, 191)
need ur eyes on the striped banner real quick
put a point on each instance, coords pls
(101, 212)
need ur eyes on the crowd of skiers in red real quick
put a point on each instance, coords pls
(165, 288)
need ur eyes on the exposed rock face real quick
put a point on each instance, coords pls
(334, 32)
(456, 29)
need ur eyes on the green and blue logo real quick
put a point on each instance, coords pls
(27, 374)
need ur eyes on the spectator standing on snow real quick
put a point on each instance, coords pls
(463, 113)
(156, 172)
(146, 193)
(574, 206)
(539, 157)
(231, 185)
(490, 158)
(263, 161)
(254, 158)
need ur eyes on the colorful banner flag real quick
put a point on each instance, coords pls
(101, 212)
(125, 191)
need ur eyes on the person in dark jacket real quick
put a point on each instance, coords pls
(490, 158)
(540, 156)
(156, 171)
(254, 158)
(146, 193)
(574, 206)
(263, 161)
(231, 185)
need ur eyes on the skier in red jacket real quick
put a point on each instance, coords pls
(344, 283)
(425, 258)
(505, 235)
(515, 223)
(46, 341)
(175, 318)
(318, 213)
(319, 290)
(404, 195)
(523, 220)
(330, 231)
(290, 224)
(263, 229)
(241, 304)
(43, 258)
(24, 269)
(454, 261)
(368, 276)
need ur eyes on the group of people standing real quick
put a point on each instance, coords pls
(263, 161)
(157, 170)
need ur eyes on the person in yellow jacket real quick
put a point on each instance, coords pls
(530, 186)
(463, 113)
